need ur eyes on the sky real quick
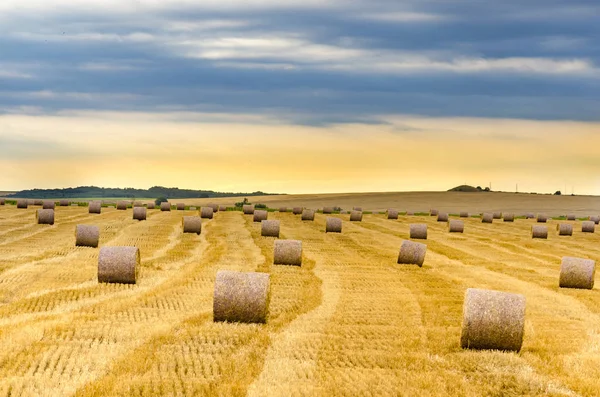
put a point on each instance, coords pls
(300, 96)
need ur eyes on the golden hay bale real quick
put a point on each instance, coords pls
(48, 205)
(22, 203)
(571, 217)
(595, 219)
(241, 297)
(165, 206)
(248, 209)
(118, 265)
(260, 215)
(137, 204)
(412, 253)
(497, 215)
(328, 210)
(287, 252)
(297, 210)
(464, 214)
(509, 217)
(282, 209)
(418, 230)
(150, 206)
(357, 209)
(269, 228)
(487, 217)
(180, 206)
(493, 320)
(139, 213)
(333, 225)
(64, 203)
(87, 236)
(222, 208)
(577, 273)
(529, 215)
(215, 207)
(38, 202)
(192, 224)
(122, 205)
(44, 217)
(95, 207)
(308, 215)
(433, 212)
(356, 216)
(392, 213)
(456, 226)
(542, 218)
(564, 229)
(2, 201)
(207, 212)
(192, 208)
(588, 226)
(539, 231)
(442, 217)
(410, 212)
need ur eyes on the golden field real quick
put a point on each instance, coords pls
(349, 322)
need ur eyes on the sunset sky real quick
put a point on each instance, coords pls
(300, 96)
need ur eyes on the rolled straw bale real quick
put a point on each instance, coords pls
(464, 214)
(150, 206)
(38, 202)
(22, 203)
(529, 215)
(287, 252)
(433, 212)
(122, 205)
(412, 253)
(418, 230)
(487, 217)
(595, 219)
(118, 265)
(356, 216)
(192, 224)
(297, 210)
(207, 212)
(588, 226)
(87, 235)
(64, 203)
(333, 225)
(215, 207)
(165, 206)
(260, 215)
(442, 217)
(410, 212)
(282, 209)
(328, 210)
(577, 273)
(248, 209)
(74, 205)
(497, 215)
(180, 206)
(139, 213)
(2, 201)
(493, 320)
(542, 218)
(509, 217)
(95, 207)
(222, 208)
(456, 226)
(539, 231)
(269, 228)
(48, 205)
(308, 215)
(192, 208)
(44, 217)
(241, 297)
(392, 213)
(571, 217)
(564, 229)
(357, 209)
(137, 204)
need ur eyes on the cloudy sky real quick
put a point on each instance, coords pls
(300, 96)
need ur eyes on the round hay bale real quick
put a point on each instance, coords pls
(139, 213)
(180, 206)
(215, 207)
(118, 265)
(207, 212)
(122, 205)
(418, 231)
(192, 208)
(74, 205)
(442, 217)
(328, 210)
(333, 225)
(2, 201)
(356, 216)
(529, 215)
(357, 209)
(48, 205)
(456, 226)
(539, 231)
(287, 252)
(595, 219)
(165, 206)
(577, 273)
(269, 228)
(392, 213)
(44, 217)
(150, 206)
(412, 253)
(308, 215)
(493, 320)
(433, 212)
(542, 218)
(297, 210)
(571, 217)
(260, 215)
(38, 202)
(64, 203)
(588, 226)
(222, 208)
(410, 212)
(248, 209)
(87, 236)
(497, 215)
(487, 217)
(22, 203)
(137, 204)
(241, 297)
(464, 214)
(564, 229)
(95, 207)
(509, 217)
(282, 209)
(192, 224)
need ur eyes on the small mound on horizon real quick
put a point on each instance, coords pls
(464, 188)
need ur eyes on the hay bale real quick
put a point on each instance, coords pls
(356, 216)
(241, 297)
(357, 209)
(493, 320)
(2, 201)
(571, 217)
(577, 273)
(44, 217)
(508, 217)
(595, 219)
(410, 212)
(48, 205)
(192, 224)
(333, 225)
(588, 226)
(282, 209)
(38, 202)
(215, 207)
(412, 253)
(542, 218)
(564, 229)
(539, 231)
(529, 215)
(487, 217)
(165, 206)
(118, 265)
(456, 226)
(260, 215)
(207, 212)
(122, 205)
(464, 214)
(418, 231)
(497, 215)
(137, 204)
(139, 213)
(248, 209)
(269, 228)
(442, 217)
(433, 212)
(180, 206)
(392, 213)
(308, 215)
(64, 203)
(74, 205)
(328, 210)
(87, 236)
(222, 208)
(287, 252)
(22, 203)
(297, 210)
(192, 208)
(95, 207)
(150, 206)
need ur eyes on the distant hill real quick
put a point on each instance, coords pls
(465, 188)
(100, 192)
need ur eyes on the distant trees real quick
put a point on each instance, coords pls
(161, 200)
(557, 193)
